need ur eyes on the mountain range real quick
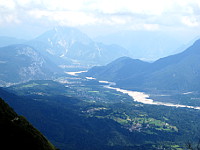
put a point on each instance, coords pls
(20, 63)
(52, 53)
(175, 72)
(6, 41)
(69, 46)
(146, 45)
(79, 113)
(42, 57)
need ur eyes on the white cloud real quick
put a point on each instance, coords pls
(142, 14)
(9, 19)
(142, 26)
(131, 6)
(190, 21)
(70, 18)
(60, 5)
(8, 4)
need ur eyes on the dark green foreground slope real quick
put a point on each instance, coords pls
(17, 133)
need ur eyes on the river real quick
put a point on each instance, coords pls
(144, 98)
(137, 96)
(75, 73)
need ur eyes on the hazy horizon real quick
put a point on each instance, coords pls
(100, 17)
(159, 27)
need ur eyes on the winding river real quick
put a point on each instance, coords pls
(144, 98)
(137, 96)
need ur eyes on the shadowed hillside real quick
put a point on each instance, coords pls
(18, 133)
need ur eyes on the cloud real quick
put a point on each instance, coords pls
(8, 4)
(131, 6)
(70, 18)
(191, 21)
(130, 14)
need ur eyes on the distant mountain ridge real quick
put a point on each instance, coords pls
(176, 72)
(69, 46)
(119, 69)
(6, 41)
(20, 63)
(42, 57)
(146, 45)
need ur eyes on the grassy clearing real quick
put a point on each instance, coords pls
(29, 85)
(33, 85)
(93, 91)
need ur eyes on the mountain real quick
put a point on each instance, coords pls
(19, 63)
(175, 72)
(145, 45)
(119, 69)
(6, 41)
(181, 71)
(69, 46)
(18, 133)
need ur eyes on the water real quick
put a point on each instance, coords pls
(144, 98)
(75, 73)
(140, 97)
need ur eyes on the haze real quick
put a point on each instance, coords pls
(107, 20)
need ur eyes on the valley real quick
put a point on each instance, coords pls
(161, 97)
(133, 123)
(100, 75)
(61, 83)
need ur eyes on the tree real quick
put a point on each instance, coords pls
(192, 146)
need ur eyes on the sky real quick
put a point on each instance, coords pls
(98, 17)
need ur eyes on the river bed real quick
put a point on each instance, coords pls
(140, 97)
(144, 98)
